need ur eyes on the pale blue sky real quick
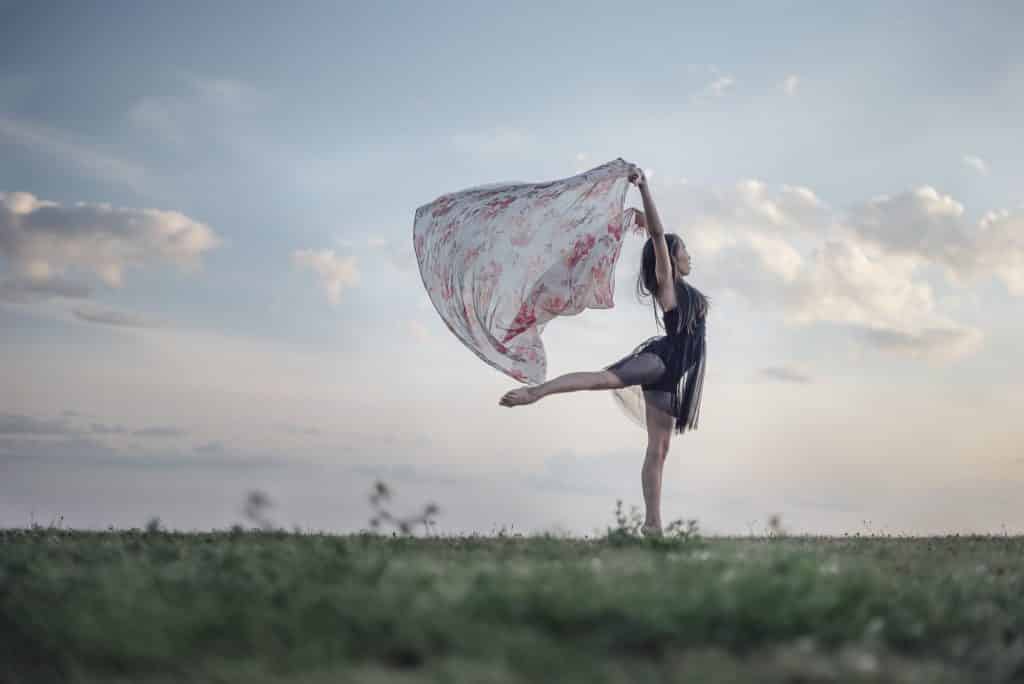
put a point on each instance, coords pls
(324, 125)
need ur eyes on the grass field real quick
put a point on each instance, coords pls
(273, 606)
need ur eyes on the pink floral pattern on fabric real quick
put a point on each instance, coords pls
(501, 261)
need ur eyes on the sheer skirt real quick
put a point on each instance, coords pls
(669, 376)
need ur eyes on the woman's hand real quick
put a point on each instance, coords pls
(636, 175)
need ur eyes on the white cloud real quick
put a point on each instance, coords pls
(931, 227)
(45, 243)
(880, 297)
(336, 273)
(790, 84)
(976, 163)
(376, 242)
(865, 270)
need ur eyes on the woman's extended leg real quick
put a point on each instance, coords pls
(659, 437)
(635, 369)
(570, 382)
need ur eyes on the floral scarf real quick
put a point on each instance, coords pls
(500, 261)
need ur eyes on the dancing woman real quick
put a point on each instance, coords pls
(669, 368)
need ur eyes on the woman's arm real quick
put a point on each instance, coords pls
(662, 261)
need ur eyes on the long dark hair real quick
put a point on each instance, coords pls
(696, 303)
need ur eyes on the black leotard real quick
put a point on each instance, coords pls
(681, 352)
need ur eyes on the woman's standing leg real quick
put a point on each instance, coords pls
(659, 437)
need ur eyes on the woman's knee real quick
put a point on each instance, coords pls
(607, 379)
(658, 448)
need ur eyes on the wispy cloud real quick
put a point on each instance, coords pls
(28, 287)
(16, 424)
(716, 88)
(976, 163)
(784, 374)
(156, 431)
(111, 317)
(204, 105)
(71, 151)
(161, 431)
(336, 273)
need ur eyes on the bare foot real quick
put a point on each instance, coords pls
(651, 530)
(518, 397)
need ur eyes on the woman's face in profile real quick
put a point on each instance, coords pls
(682, 258)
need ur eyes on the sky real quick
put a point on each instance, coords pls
(208, 287)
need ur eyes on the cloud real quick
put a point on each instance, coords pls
(784, 374)
(716, 88)
(406, 472)
(336, 273)
(862, 270)
(103, 429)
(110, 317)
(790, 84)
(210, 448)
(82, 157)
(206, 107)
(926, 225)
(42, 286)
(400, 253)
(44, 242)
(84, 451)
(920, 222)
(161, 431)
(15, 424)
(301, 430)
(947, 342)
(976, 163)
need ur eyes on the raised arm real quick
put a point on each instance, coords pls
(666, 293)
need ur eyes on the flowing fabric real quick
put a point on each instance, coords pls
(500, 261)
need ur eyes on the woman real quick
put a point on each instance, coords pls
(669, 368)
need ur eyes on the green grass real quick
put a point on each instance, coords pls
(271, 606)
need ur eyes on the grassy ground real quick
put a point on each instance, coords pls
(262, 607)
